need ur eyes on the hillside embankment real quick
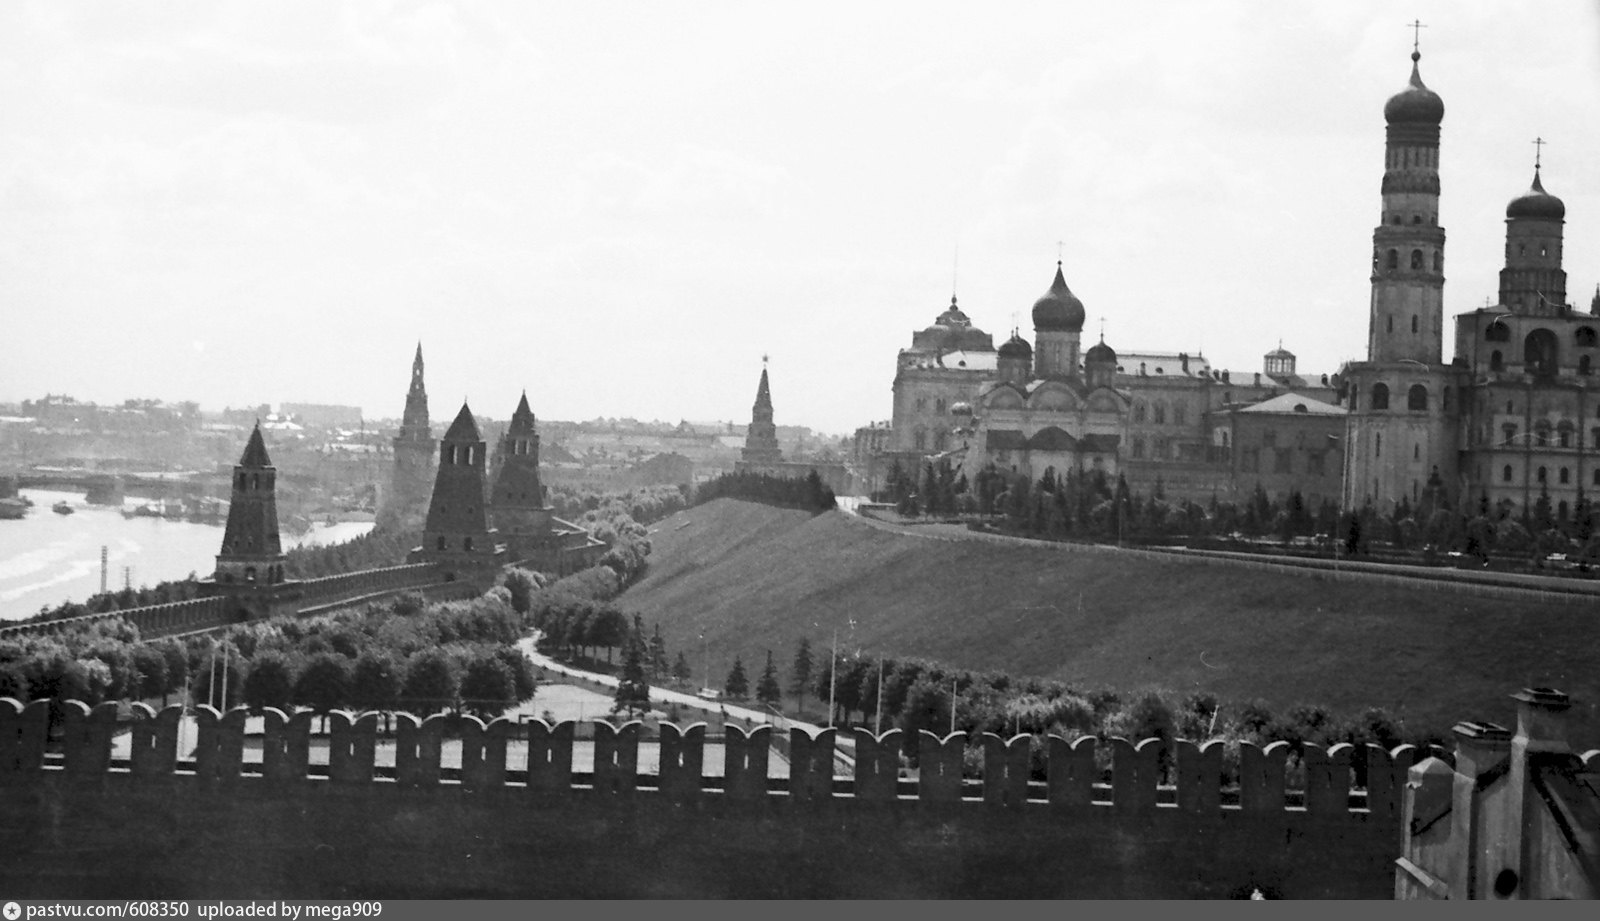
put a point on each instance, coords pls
(752, 578)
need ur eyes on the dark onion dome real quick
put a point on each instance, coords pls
(1100, 353)
(1416, 104)
(1536, 203)
(1059, 310)
(1016, 347)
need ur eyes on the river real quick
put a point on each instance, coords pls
(46, 558)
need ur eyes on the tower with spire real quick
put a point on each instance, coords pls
(413, 456)
(458, 534)
(761, 439)
(1401, 432)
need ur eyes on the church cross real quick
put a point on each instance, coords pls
(1538, 150)
(1061, 247)
(1416, 34)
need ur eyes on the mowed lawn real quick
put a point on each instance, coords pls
(753, 578)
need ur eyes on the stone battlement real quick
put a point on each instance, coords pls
(162, 822)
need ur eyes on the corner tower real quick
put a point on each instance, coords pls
(761, 439)
(251, 551)
(413, 455)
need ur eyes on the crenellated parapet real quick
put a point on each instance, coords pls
(450, 804)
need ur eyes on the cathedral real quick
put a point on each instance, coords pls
(1504, 423)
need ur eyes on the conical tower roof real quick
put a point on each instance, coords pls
(464, 428)
(764, 392)
(522, 420)
(255, 451)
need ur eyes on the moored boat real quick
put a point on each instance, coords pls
(62, 508)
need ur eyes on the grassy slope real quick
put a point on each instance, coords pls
(754, 578)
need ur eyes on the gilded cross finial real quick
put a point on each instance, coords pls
(763, 359)
(1538, 151)
(1416, 28)
(1061, 247)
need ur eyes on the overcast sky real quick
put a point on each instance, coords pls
(622, 207)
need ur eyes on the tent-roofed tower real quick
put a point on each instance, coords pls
(252, 553)
(518, 496)
(761, 439)
(458, 534)
(413, 456)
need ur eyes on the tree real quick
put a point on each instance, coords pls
(487, 688)
(521, 584)
(271, 681)
(633, 692)
(680, 669)
(523, 681)
(800, 673)
(431, 683)
(737, 686)
(767, 689)
(375, 682)
(657, 656)
(324, 682)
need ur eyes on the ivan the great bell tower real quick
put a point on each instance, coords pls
(1400, 442)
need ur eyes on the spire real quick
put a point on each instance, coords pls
(255, 450)
(764, 390)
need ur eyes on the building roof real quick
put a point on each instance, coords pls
(1416, 104)
(1164, 364)
(1295, 403)
(1059, 310)
(1536, 204)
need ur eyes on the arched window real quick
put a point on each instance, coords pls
(1160, 411)
(1541, 353)
(1496, 363)
(1417, 398)
(1416, 259)
(1497, 332)
(241, 481)
(1178, 413)
(941, 440)
(919, 438)
(1138, 411)
(1597, 476)
(1541, 434)
(1583, 365)
(1413, 323)
(1585, 337)
(1377, 445)
(1138, 448)
(1380, 396)
(1394, 259)
(1511, 433)
(1564, 435)
(1544, 475)
(938, 406)
(1505, 475)
(1564, 476)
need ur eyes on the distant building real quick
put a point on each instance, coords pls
(324, 415)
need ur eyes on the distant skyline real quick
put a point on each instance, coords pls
(620, 208)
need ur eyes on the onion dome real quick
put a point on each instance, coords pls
(1059, 310)
(1016, 347)
(1536, 203)
(961, 409)
(1416, 104)
(1100, 353)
